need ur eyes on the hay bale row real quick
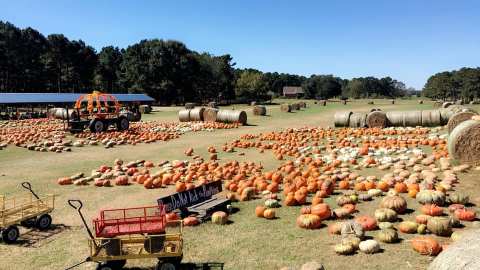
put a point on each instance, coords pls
(376, 119)
(210, 114)
(231, 116)
(427, 118)
(259, 110)
(451, 110)
(342, 119)
(187, 115)
(213, 104)
(458, 118)
(61, 113)
(464, 142)
(302, 104)
(358, 120)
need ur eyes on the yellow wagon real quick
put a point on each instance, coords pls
(113, 253)
(26, 210)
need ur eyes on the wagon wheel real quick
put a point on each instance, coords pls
(43, 222)
(165, 266)
(97, 126)
(122, 123)
(10, 234)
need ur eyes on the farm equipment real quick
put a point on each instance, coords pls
(133, 233)
(96, 111)
(25, 210)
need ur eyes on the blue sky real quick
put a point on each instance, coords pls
(407, 40)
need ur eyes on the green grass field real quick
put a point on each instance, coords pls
(247, 243)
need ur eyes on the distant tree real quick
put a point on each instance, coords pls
(322, 86)
(441, 85)
(251, 85)
(107, 73)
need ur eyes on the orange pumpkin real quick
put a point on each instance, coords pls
(368, 223)
(426, 245)
(269, 213)
(465, 214)
(401, 188)
(322, 210)
(316, 200)
(383, 186)
(259, 211)
(432, 210)
(344, 184)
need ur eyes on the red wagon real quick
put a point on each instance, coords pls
(139, 220)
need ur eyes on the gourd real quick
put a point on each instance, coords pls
(344, 249)
(426, 245)
(219, 218)
(385, 214)
(309, 221)
(271, 203)
(387, 235)
(458, 198)
(440, 226)
(269, 213)
(396, 203)
(430, 197)
(408, 227)
(352, 228)
(369, 246)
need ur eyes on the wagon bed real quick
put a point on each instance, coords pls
(140, 220)
(14, 210)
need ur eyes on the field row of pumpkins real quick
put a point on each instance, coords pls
(328, 163)
(48, 135)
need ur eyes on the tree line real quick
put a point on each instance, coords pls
(452, 85)
(164, 69)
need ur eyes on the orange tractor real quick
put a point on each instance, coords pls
(97, 111)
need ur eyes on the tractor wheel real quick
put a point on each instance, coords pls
(123, 123)
(10, 234)
(165, 266)
(97, 126)
(43, 222)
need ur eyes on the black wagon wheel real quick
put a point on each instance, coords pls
(97, 126)
(10, 234)
(123, 123)
(112, 265)
(43, 222)
(165, 266)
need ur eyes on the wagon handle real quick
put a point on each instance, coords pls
(26, 185)
(78, 205)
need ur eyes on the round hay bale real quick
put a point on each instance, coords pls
(459, 102)
(322, 102)
(210, 115)
(285, 108)
(189, 105)
(253, 103)
(358, 120)
(474, 102)
(145, 109)
(461, 255)
(231, 116)
(341, 119)
(213, 104)
(370, 103)
(376, 119)
(375, 109)
(437, 104)
(392, 101)
(421, 102)
(196, 114)
(458, 118)
(395, 119)
(431, 118)
(61, 113)
(445, 115)
(184, 115)
(302, 104)
(295, 106)
(344, 102)
(259, 110)
(446, 104)
(464, 142)
(412, 118)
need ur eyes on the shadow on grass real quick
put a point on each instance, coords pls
(36, 238)
(189, 266)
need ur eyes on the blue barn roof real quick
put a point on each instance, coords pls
(53, 98)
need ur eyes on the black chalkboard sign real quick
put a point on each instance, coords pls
(191, 197)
